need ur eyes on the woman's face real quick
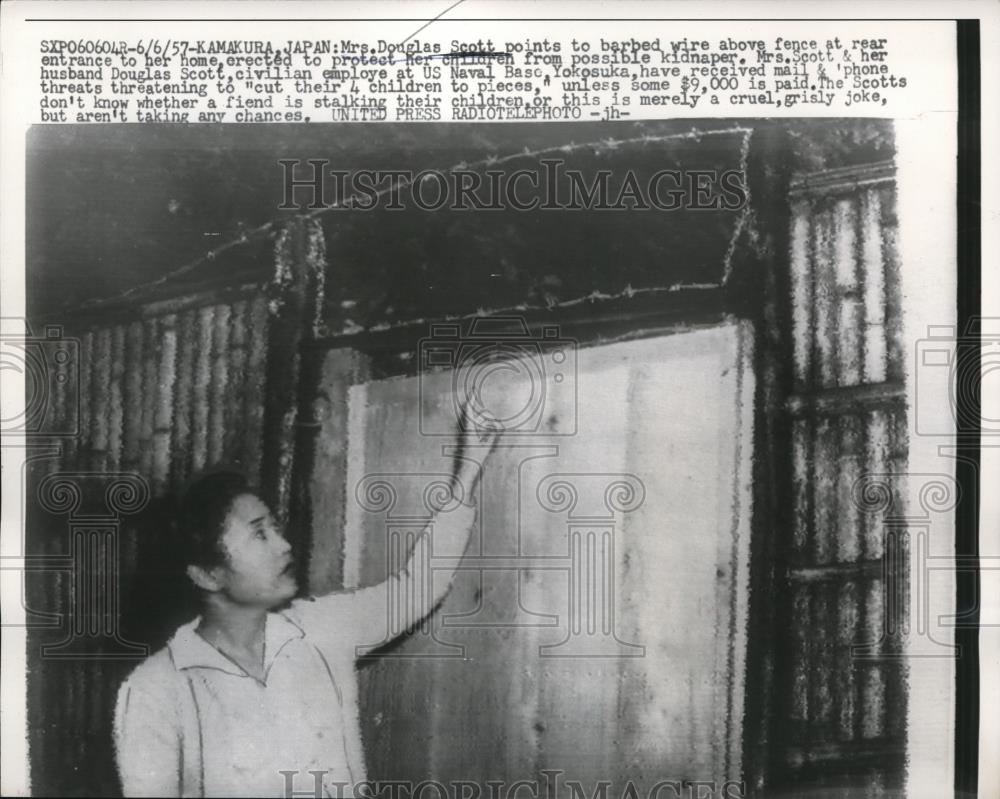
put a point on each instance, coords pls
(259, 570)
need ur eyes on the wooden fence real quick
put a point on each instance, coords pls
(163, 390)
(173, 386)
(840, 707)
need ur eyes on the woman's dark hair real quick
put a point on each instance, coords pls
(203, 508)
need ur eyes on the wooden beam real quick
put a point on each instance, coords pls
(764, 270)
(847, 399)
(294, 295)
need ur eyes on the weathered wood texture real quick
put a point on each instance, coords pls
(840, 707)
(596, 624)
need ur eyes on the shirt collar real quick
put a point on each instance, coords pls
(189, 650)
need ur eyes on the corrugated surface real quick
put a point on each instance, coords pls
(842, 702)
(845, 288)
(160, 396)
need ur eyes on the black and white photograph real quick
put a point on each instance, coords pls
(433, 459)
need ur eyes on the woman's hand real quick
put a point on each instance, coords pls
(468, 470)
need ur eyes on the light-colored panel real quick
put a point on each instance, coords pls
(802, 301)
(873, 269)
(667, 420)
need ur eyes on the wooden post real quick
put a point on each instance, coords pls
(765, 266)
(295, 300)
(321, 463)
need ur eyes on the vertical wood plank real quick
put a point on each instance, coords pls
(896, 349)
(164, 410)
(101, 395)
(72, 389)
(845, 666)
(116, 411)
(183, 418)
(825, 510)
(218, 383)
(150, 374)
(848, 293)
(239, 335)
(802, 276)
(879, 466)
(873, 680)
(799, 647)
(820, 667)
(253, 409)
(825, 299)
(873, 271)
(86, 401)
(850, 529)
(202, 379)
(132, 395)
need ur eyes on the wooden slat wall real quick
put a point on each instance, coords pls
(840, 720)
(173, 393)
(160, 396)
